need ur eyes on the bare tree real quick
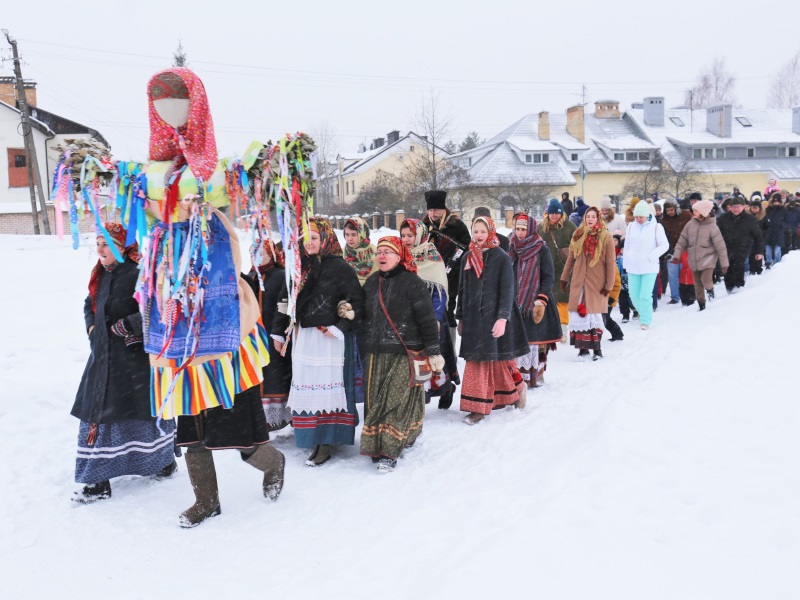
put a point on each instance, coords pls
(714, 84)
(432, 123)
(327, 149)
(683, 178)
(645, 183)
(179, 57)
(519, 195)
(784, 91)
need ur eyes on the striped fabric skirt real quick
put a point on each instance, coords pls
(489, 385)
(585, 332)
(134, 447)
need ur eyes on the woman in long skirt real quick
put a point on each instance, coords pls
(396, 301)
(117, 435)
(431, 269)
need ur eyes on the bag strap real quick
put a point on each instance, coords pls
(386, 313)
(555, 243)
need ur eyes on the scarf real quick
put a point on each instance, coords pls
(429, 263)
(585, 240)
(328, 246)
(362, 257)
(475, 253)
(195, 141)
(525, 255)
(118, 234)
(393, 243)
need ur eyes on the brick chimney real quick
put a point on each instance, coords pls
(8, 91)
(543, 127)
(575, 123)
(606, 109)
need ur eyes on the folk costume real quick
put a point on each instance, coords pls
(590, 269)
(397, 303)
(203, 326)
(117, 435)
(431, 269)
(323, 413)
(534, 275)
(486, 294)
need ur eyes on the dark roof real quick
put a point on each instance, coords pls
(63, 126)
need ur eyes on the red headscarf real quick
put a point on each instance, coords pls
(118, 234)
(393, 243)
(195, 141)
(475, 255)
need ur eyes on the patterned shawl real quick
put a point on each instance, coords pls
(328, 246)
(525, 255)
(362, 257)
(393, 243)
(195, 141)
(585, 240)
(118, 234)
(475, 254)
(430, 266)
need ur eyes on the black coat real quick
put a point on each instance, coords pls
(549, 328)
(116, 382)
(738, 233)
(481, 302)
(278, 373)
(453, 230)
(408, 301)
(330, 281)
(778, 225)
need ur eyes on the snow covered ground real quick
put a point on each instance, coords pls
(667, 470)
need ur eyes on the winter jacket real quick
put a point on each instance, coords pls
(549, 328)
(704, 244)
(330, 281)
(481, 302)
(557, 236)
(673, 227)
(613, 297)
(738, 233)
(444, 233)
(793, 216)
(778, 225)
(408, 302)
(644, 245)
(587, 282)
(116, 381)
(616, 225)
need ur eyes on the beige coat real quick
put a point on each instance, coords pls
(704, 243)
(591, 280)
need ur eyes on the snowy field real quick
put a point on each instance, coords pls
(669, 470)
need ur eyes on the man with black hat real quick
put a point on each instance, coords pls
(739, 230)
(451, 237)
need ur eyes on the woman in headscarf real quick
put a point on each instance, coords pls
(329, 304)
(490, 326)
(589, 273)
(534, 275)
(203, 326)
(557, 230)
(271, 274)
(117, 434)
(359, 253)
(397, 300)
(431, 269)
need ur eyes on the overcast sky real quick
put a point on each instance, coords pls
(364, 67)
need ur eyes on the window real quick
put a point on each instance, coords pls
(751, 153)
(545, 158)
(744, 122)
(708, 153)
(792, 151)
(619, 156)
(528, 158)
(781, 151)
(411, 148)
(634, 156)
(697, 153)
(353, 185)
(644, 156)
(17, 171)
(677, 121)
(337, 189)
(574, 157)
(719, 153)
(469, 161)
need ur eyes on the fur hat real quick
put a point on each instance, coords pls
(605, 202)
(671, 204)
(554, 207)
(642, 210)
(735, 200)
(695, 196)
(435, 199)
(704, 207)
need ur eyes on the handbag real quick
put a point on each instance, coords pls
(563, 253)
(418, 365)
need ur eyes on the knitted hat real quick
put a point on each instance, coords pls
(642, 210)
(605, 202)
(704, 207)
(554, 207)
(435, 199)
(695, 196)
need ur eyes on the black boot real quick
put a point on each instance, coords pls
(710, 294)
(598, 354)
(702, 305)
(583, 352)
(166, 472)
(93, 493)
(203, 476)
(446, 399)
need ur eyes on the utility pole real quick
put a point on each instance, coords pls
(34, 176)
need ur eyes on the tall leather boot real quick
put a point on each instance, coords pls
(271, 461)
(203, 476)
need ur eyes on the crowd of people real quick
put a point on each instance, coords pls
(378, 324)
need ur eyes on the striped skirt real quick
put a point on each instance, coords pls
(490, 384)
(134, 447)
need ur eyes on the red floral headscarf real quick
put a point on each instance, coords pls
(118, 233)
(195, 141)
(475, 255)
(393, 243)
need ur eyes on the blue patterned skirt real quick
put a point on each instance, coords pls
(133, 447)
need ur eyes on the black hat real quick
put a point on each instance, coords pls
(435, 199)
(737, 199)
(695, 196)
